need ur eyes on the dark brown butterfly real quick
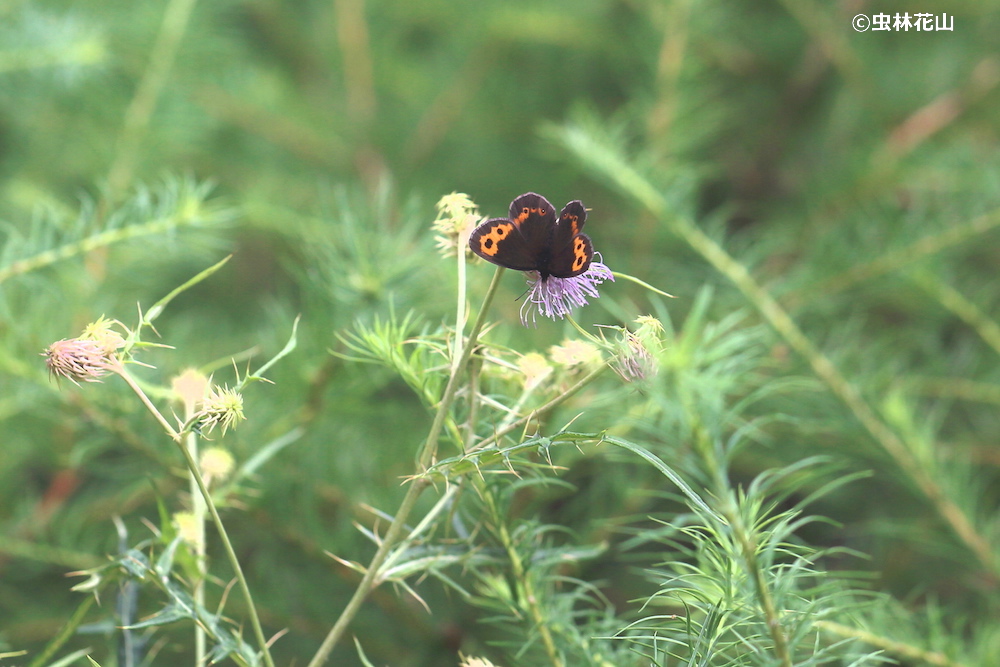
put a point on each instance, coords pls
(533, 239)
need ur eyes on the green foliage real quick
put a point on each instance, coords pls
(794, 462)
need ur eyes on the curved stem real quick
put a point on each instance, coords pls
(427, 452)
(528, 593)
(192, 464)
(258, 631)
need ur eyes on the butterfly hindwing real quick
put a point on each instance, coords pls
(572, 250)
(572, 218)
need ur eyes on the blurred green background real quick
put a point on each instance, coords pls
(854, 174)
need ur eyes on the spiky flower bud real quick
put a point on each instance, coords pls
(101, 332)
(77, 360)
(634, 360)
(221, 406)
(457, 215)
(89, 357)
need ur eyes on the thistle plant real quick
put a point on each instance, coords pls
(108, 347)
(792, 463)
(555, 298)
(729, 576)
(499, 443)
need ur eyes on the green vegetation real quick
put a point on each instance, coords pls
(280, 421)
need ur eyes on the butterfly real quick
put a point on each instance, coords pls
(533, 239)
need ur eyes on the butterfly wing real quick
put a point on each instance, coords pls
(572, 250)
(498, 241)
(521, 241)
(535, 219)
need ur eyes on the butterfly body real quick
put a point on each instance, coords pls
(534, 239)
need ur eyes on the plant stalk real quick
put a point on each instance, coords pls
(427, 452)
(192, 464)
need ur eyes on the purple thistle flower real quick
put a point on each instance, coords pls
(555, 297)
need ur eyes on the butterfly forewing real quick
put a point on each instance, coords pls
(499, 241)
(535, 218)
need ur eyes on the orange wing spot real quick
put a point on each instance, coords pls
(574, 222)
(489, 243)
(579, 254)
(525, 212)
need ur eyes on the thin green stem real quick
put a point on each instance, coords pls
(748, 549)
(966, 390)
(426, 455)
(949, 297)
(583, 332)
(893, 445)
(192, 464)
(908, 651)
(461, 307)
(198, 511)
(108, 237)
(537, 412)
(68, 631)
(140, 110)
(894, 260)
(120, 370)
(527, 592)
(642, 283)
(230, 553)
(744, 536)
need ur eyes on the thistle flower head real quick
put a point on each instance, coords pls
(221, 406)
(101, 332)
(634, 360)
(78, 360)
(555, 297)
(457, 215)
(89, 357)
